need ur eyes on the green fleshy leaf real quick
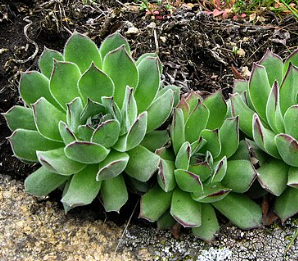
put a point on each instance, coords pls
(273, 176)
(134, 136)
(197, 121)
(122, 70)
(142, 163)
(33, 86)
(288, 149)
(273, 112)
(113, 42)
(242, 153)
(209, 224)
(94, 84)
(57, 162)
(183, 105)
(107, 133)
(264, 138)
(86, 152)
(155, 203)
(149, 81)
(46, 61)
(160, 110)
(155, 139)
(203, 170)
(137, 186)
(197, 145)
(85, 132)
(112, 107)
(47, 117)
(288, 89)
(255, 153)
(92, 108)
(166, 221)
(220, 170)
(286, 205)
(242, 87)
(73, 114)
(239, 108)
(25, 143)
(177, 130)
(292, 59)
(259, 89)
(293, 177)
(112, 166)
(63, 83)
(211, 193)
(240, 210)
(192, 99)
(218, 108)
(183, 156)
(19, 117)
(188, 181)
(274, 66)
(291, 121)
(82, 189)
(166, 153)
(166, 177)
(147, 55)
(42, 182)
(176, 91)
(65, 133)
(114, 193)
(82, 51)
(185, 210)
(240, 175)
(212, 142)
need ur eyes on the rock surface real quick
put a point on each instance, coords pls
(35, 229)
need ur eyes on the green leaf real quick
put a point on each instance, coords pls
(57, 162)
(211, 193)
(122, 70)
(166, 153)
(65, 133)
(183, 105)
(188, 181)
(239, 108)
(259, 89)
(25, 143)
(129, 110)
(273, 112)
(142, 163)
(149, 81)
(286, 205)
(113, 42)
(147, 55)
(19, 117)
(202, 169)
(63, 83)
(46, 61)
(209, 225)
(92, 108)
(137, 186)
(273, 176)
(192, 99)
(112, 166)
(134, 136)
(291, 121)
(82, 189)
(274, 66)
(86, 152)
(185, 210)
(288, 149)
(155, 203)
(33, 86)
(218, 108)
(73, 114)
(42, 182)
(240, 175)
(288, 89)
(264, 138)
(292, 59)
(155, 139)
(94, 84)
(197, 145)
(242, 87)
(242, 211)
(183, 156)
(82, 51)
(293, 177)
(47, 117)
(112, 107)
(85, 132)
(165, 175)
(197, 121)
(166, 221)
(114, 193)
(176, 91)
(160, 110)
(177, 129)
(212, 142)
(107, 133)
(220, 170)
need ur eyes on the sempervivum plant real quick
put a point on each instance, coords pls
(202, 170)
(90, 114)
(268, 113)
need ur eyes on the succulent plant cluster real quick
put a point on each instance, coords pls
(98, 123)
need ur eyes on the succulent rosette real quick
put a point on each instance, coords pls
(268, 113)
(203, 170)
(91, 115)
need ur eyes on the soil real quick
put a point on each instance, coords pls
(195, 49)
